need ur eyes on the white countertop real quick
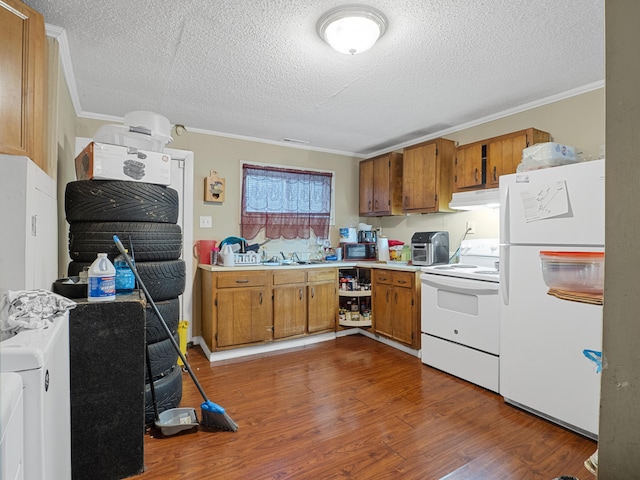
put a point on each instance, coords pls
(382, 265)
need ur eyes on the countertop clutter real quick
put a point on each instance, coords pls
(390, 265)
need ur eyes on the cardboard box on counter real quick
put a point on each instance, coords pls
(103, 161)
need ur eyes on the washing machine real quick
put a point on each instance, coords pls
(11, 427)
(41, 358)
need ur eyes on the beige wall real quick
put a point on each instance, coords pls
(62, 126)
(620, 398)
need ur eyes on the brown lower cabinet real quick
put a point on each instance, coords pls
(396, 305)
(322, 288)
(241, 308)
(289, 303)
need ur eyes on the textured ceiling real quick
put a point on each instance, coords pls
(257, 68)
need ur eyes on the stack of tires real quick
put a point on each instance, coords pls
(144, 216)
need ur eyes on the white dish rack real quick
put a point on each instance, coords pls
(249, 258)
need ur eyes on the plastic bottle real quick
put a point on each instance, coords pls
(102, 280)
(125, 280)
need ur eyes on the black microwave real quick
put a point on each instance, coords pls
(359, 251)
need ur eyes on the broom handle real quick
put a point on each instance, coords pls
(162, 321)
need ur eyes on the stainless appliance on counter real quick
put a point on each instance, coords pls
(430, 248)
(367, 236)
(460, 314)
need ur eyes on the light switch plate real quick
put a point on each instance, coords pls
(205, 222)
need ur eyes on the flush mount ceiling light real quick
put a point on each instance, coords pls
(352, 28)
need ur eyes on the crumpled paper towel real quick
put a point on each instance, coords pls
(30, 310)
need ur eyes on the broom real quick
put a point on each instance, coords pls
(212, 414)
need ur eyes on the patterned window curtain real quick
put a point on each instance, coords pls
(286, 203)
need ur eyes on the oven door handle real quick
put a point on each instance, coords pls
(460, 285)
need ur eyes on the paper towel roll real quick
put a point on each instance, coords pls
(383, 249)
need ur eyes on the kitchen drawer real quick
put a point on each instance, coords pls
(322, 275)
(403, 279)
(286, 277)
(382, 276)
(251, 278)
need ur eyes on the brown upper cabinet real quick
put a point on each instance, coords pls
(480, 164)
(427, 176)
(22, 76)
(381, 185)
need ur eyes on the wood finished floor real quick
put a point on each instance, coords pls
(355, 408)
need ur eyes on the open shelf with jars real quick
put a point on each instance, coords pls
(354, 297)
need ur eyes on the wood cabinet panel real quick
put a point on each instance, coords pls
(427, 176)
(381, 297)
(323, 306)
(366, 187)
(395, 301)
(404, 312)
(322, 275)
(243, 316)
(381, 185)
(289, 310)
(23, 103)
(467, 167)
(241, 279)
(502, 155)
(289, 276)
(322, 299)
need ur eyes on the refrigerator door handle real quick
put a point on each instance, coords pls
(504, 273)
(504, 214)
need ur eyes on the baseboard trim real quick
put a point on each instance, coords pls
(294, 343)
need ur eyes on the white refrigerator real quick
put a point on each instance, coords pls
(542, 338)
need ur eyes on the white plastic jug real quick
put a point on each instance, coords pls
(228, 257)
(102, 280)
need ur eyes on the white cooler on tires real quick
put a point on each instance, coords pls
(11, 427)
(41, 358)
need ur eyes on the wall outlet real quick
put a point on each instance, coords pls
(205, 222)
(471, 227)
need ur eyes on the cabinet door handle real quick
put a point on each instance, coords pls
(300, 294)
(475, 175)
(387, 296)
(406, 201)
(495, 176)
(396, 298)
(313, 292)
(242, 281)
(369, 205)
(382, 279)
(260, 298)
(402, 282)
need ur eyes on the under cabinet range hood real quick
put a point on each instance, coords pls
(475, 199)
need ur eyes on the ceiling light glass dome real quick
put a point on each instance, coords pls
(352, 29)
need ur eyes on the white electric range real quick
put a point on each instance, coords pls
(460, 314)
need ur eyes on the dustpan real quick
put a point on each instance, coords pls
(175, 420)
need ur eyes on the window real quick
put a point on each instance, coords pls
(285, 202)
